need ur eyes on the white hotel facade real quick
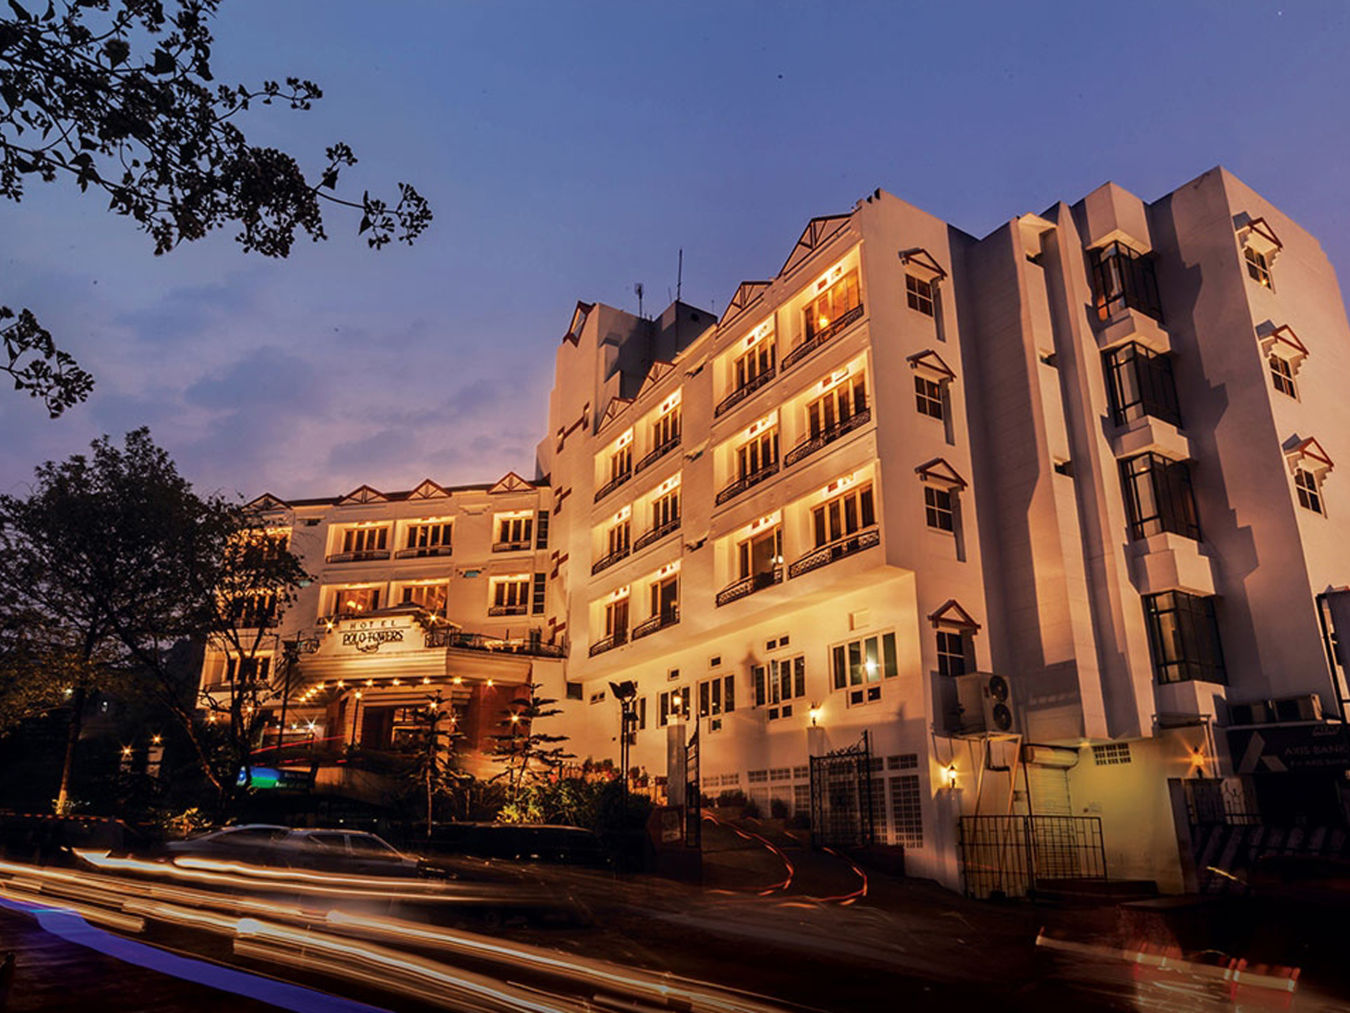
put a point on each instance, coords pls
(1051, 515)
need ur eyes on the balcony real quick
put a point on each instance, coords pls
(821, 337)
(509, 610)
(606, 562)
(741, 484)
(660, 621)
(533, 644)
(658, 453)
(828, 553)
(364, 556)
(612, 484)
(618, 639)
(827, 436)
(519, 545)
(423, 550)
(749, 585)
(656, 534)
(741, 393)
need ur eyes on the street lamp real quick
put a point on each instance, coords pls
(626, 693)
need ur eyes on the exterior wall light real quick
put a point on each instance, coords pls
(814, 714)
(949, 775)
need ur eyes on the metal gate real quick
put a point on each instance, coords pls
(841, 797)
(1014, 856)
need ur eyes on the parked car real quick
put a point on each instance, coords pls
(347, 851)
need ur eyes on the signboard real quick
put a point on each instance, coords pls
(384, 635)
(1281, 748)
(275, 777)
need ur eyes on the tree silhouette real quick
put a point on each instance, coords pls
(525, 752)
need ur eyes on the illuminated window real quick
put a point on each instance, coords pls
(863, 661)
(1258, 267)
(1309, 491)
(354, 601)
(510, 596)
(832, 306)
(360, 544)
(666, 429)
(843, 516)
(757, 455)
(621, 463)
(673, 706)
(1282, 375)
(778, 683)
(665, 599)
(761, 555)
(919, 294)
(430, 597)
(255, 669)
(431, 539)
(1124, 279)
(716, 696)
(617, 537)
(830, 414)
(253, 611)
(666, 510)
(928, 397)
(514, 531)
(616, 620)
(755, 365)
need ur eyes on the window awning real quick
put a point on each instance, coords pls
(929, 363)
(1308, 455)
(922, 264)
(950, 614)
(1257, 233)
(1281, 341)
(939, 472)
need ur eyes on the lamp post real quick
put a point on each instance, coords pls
(356, 717)
(626, 693)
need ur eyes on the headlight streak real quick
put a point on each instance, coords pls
(254, 925)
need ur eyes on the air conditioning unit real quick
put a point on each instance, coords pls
(1307, 707)
(1255, 712)
(983, 704)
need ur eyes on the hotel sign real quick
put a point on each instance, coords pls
(370, 636)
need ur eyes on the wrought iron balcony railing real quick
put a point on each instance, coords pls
(605, 562)
(365, 555)
(517, 546)
(825, 554)
(660, 621)
(533, 644)
(509, 610)
(612, 484)
(658, 453)
(420, 551)
(618, 639)
(826, 436)
(746, 481)
(741, 393)
(749, 585)
(820, 337)
(656, 534)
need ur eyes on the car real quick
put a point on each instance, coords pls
(329, 850)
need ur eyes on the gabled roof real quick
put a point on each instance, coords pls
(1311, 451)
(659, 371)
(363, 494)
(428, 490)
(265, 503)
(940, 472)
(579, 316)
(1269, 337)
(746, 293)
(1260, 227)
(510, 482)
(818, 231)
(923, 260)
(950, 613)
(930, 361)
(613, 410)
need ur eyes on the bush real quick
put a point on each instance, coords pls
(778, 809)
(751, 809)
(731, 796)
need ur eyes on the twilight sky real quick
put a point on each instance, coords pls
(571, 149)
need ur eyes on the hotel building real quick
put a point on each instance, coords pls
(1050, 516)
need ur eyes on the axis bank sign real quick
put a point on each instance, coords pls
(369, 636)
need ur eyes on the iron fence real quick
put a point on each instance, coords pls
(1015, 856)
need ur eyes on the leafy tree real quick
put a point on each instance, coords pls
(119, 96)
(116, 559)
(526, 753)
(434, 774)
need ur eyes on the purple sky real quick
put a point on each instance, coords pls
(569, 150)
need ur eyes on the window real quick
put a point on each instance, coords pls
(672, 706)
(255, 669)
(830, 413)
(666, 429)
(430, 597)
(939, 508)
(541, 529)
(1309, 492)
(575, 691)
(1139, 382)
(665, 599)
(757, 455)
(1123, 279)
(363, 543)
(1158, 496)
(431, 539)
(919, 294)
(510, 596)
(1111, 754)
(514, 531)
(1183, 637)
(354, 601)
(617, 537)
(832, 305)
(666, 510)
(1258, 267)
(761, 554)
(756, 363)
(778, 683)
(907, 810)
(621, 463)
(1282, 375)
(716, 695)
(843, 516)
(616, 620)
(928, 397)
(253, 611)
(863, 661)
(537, 595)
(955, 654)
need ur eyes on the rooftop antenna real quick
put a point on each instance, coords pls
(679, 275)
(637, 287)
